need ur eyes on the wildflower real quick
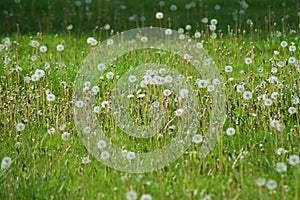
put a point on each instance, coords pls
(240, 88)
(268, 102)
(201, 83)
(130, 155)
(292, 110)
(283, 44)
(281, 167)
(280, 151)
(131, 195)
(106, 27)
(132, 78)
(295, 100)
(168, 31)
(85, 160)
(168, 79)
(197, 35)
(161, 3)
(96, 109)
(248, 61)
(144, 39)
(294, 160)
(79, 104)
(65, 136)
(197, 138)
(87, 129)
(101, 66)
(104, 155)
(60, 47)
(183, 93)
(40, 73)
(34, 77)
(247, 95)
(20, 126)
(204, 20)
(260, 182)
(43, 49)
(292, 60)
(50, 97)
(274, 70)
(69, 27)
(101, 144)
(110, 75)
(230, 131)
(109, 42)
(173, 7)
(271, 184)
(188, 27)
(92, 41)
(213, 22)
(178, 112)
(212, 27)
(51, 131)
(210, 88)
(34, 43)
(292, 48)
(228, 69)
(146, 197)
(159, 15)
(217, 7)
(167, 92)
(6, 162)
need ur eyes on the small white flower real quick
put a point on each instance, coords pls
(178, 112)
(65, 136)
(144, 39)
(240, 88)
(230, 131)
(130, 155)
(283, 44)
(132, 78)
(268, 102)
(228, 69)
(292, 110)
(247, 95)
(260, 182)
(79, 104)
(248, 61)
(197, 138)
(110, 75)
(50, 97)
(183, 93)
(51, 131)
(271, 184)
(60, 47)
(281, 167)
(294, 160)
(146, 197)
(131, 195)
(101, 66)
(43, 49)
(20, 126)
(101, 144)
(281, 151)
(92, 41)
(104, 155)
(159, 15)
(6, 162)
(85, 160)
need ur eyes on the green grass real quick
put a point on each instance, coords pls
(46, 167)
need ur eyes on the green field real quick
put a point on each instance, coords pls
(255, 47)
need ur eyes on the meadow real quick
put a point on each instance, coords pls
(255, 48)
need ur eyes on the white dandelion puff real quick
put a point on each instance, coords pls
(6, 162)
